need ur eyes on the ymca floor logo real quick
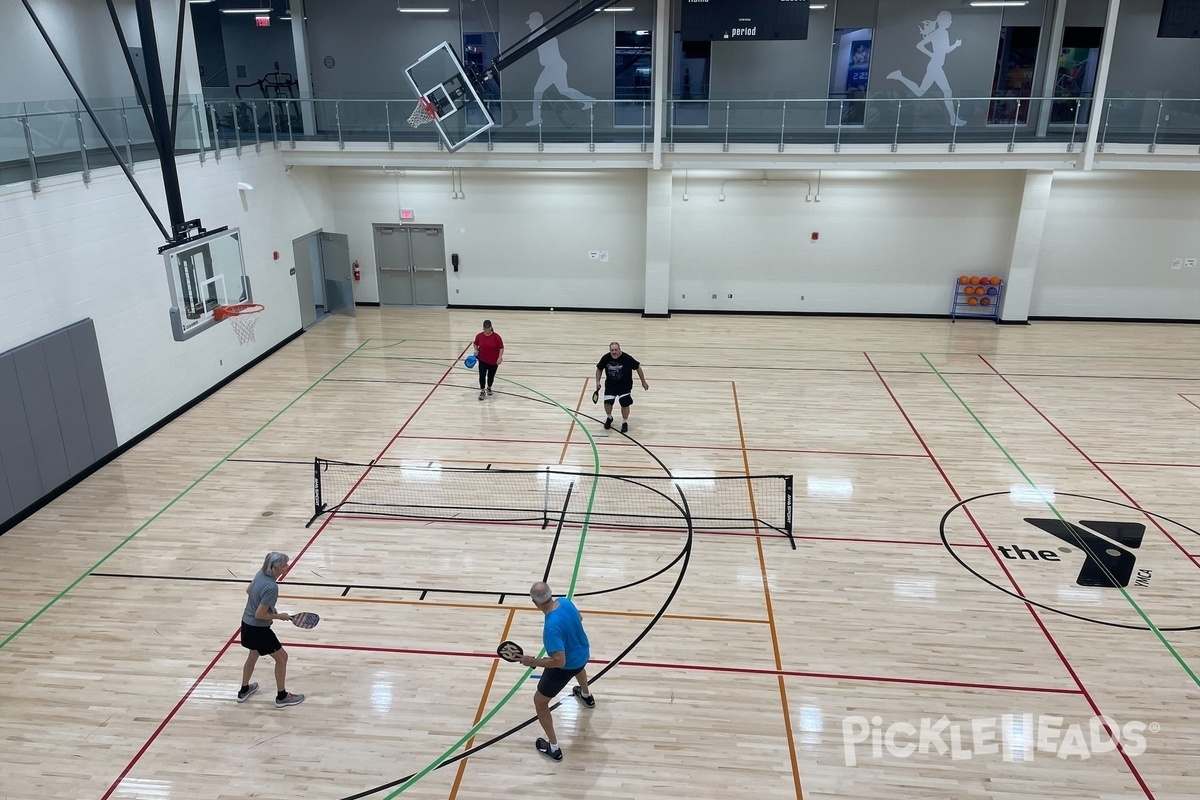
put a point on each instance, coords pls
(1079, 556)
(1106, 561)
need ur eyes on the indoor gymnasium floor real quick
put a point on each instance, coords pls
(995, 576)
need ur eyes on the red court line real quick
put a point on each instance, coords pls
(787, 673)
(674, 446)
(675, 531)
(1114, 736)
(1153, 520)
(171, 715)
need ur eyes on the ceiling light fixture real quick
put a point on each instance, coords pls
(259, 11)
(998, 3)
(423, 10)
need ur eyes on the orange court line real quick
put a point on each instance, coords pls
(491, 607)
(762, 563)
(487, 689)
(571, 428)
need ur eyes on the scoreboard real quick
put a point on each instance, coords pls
(743, 20)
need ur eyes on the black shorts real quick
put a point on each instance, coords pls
(553, 680)
(260, 638)
(624, 398)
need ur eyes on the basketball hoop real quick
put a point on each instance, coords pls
(243, 316)
(422, 114)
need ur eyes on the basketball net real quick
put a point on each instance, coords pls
(422, 114)
(243, 317)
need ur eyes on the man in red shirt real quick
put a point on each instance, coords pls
(489, 349)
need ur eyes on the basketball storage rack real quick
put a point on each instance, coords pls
(976, 298)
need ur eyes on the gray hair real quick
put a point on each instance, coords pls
(273, 561)
(540, 593)
(610, 344)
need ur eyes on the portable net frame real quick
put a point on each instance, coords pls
(546, 496)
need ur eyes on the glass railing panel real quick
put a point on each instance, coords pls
(14, 155)
(1179, 122)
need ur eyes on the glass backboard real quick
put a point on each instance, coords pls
(459, 114)
(202, 274)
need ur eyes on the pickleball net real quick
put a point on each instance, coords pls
(427, 490)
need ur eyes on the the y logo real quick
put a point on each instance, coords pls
(1107, 563)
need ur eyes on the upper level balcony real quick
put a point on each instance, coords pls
(977, 133)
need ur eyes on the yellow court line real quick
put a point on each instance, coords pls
(762, 564)
(487, 689)
(491, 607)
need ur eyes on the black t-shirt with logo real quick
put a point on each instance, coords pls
(618, 373)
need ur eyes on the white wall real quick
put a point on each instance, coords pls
(522, 236)
(74, 251)
(83, 33)
(890, 242)
(1109, 242)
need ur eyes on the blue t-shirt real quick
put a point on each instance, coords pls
(563, 630)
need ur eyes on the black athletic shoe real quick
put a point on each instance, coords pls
(244, 696)
(577, 693)
(608, 423)
(543, 747)
(624, 427)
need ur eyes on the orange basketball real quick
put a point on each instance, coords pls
(985, 301)
(995, 281)
(964, 279)
(974, 279)
(971, 301)
(984, 281)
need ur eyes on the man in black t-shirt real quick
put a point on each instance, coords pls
(617, 369)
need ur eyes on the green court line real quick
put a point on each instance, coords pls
(173, 501)
(1050, 504)
(570, 593)
(386, 346)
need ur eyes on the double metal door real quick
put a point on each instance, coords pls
(412, 265)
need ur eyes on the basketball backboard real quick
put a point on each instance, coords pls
(204, 273)
(459, 114)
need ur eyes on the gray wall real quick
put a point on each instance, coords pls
(1144, 65)
(57, 421)
(257, 49)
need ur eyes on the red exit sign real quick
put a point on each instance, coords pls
(263, 21)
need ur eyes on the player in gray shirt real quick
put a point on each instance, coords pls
(261, 596)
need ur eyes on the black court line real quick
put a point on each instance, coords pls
(725, 367)
(562, 518)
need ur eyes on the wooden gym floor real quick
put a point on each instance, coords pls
(929, 638)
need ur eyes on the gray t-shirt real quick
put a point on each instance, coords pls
(263, 589)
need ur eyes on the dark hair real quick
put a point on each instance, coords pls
(487, 323)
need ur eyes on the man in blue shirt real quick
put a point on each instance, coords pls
(568, 652)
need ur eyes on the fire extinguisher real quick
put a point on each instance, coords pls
(357, 272)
